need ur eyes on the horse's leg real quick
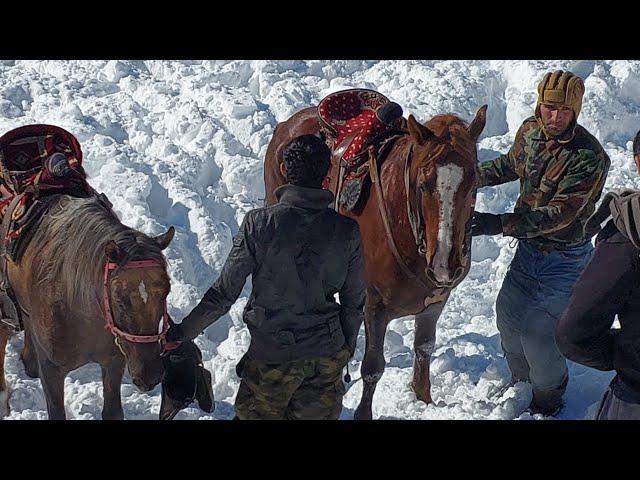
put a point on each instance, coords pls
(376, 320)
(52, 380)
(423, 343)
(28, 355)
(4, 390)
(112, 373)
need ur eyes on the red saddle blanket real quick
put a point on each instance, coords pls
(25, 170)
(350, 122)
(352, 113)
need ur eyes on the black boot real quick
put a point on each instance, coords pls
(548, 402)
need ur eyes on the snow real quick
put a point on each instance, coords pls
(182, 144)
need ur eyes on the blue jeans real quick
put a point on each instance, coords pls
(534, 294)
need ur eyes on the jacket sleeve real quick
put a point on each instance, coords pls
(582, 183)
(352, 293)
(502, 169)
(225, 291)
(584, 333)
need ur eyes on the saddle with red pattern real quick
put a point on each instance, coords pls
(353, 127)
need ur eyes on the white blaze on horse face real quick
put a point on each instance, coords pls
(143, 291)
(449, 178)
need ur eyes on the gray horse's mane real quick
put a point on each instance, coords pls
(76, 231)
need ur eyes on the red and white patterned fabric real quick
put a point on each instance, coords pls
(347, 112)
(352, 111)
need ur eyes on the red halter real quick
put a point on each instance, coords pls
(109, 323)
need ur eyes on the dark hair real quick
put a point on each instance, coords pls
(636, 144)
(306, 160)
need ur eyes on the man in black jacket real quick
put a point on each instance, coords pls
(300, 253)
(610, 286)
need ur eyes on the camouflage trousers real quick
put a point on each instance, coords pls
(303, 390)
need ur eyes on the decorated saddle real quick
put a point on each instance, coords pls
(36, 161)
(355, 124)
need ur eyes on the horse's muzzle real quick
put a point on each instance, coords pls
(444, 279)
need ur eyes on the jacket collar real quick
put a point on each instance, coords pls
(304, 197)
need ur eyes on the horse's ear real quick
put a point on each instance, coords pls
(164, 240)
(477, 124)
(114, 252)
(419, 132)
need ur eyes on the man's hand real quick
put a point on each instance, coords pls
(486, 224)
(175, 333)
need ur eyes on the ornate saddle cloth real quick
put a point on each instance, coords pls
(353, 131)
(26, 178)
(23, 172)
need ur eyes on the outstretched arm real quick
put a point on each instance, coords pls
(582, 183)
(227, 288)
(502, 169)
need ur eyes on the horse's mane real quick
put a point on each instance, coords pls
(452, 129)
(76, 231)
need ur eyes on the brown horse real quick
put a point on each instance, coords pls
(415, 231)
(60, 284)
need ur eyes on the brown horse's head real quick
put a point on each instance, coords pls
(137, 297)
(442, 177)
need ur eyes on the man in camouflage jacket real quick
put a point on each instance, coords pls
(562, 169)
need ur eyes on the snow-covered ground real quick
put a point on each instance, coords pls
(182, 144)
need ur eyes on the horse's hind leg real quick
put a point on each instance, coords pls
(376, 321)
(5, 333)
(423, 344)
(112, 373)
(28, 355)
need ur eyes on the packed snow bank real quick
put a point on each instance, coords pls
(182, 144)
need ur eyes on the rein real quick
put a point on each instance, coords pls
(385, 221)
(108, 316)
(416, 221)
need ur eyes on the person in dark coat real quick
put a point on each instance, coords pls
(610, 287)
(300, 254)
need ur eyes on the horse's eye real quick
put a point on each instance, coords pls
(424, 187)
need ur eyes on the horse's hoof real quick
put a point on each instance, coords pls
(4, 404)
(363, 414)
(424, 395)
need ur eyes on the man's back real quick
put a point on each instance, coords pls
(303, 252)
(299, 254)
